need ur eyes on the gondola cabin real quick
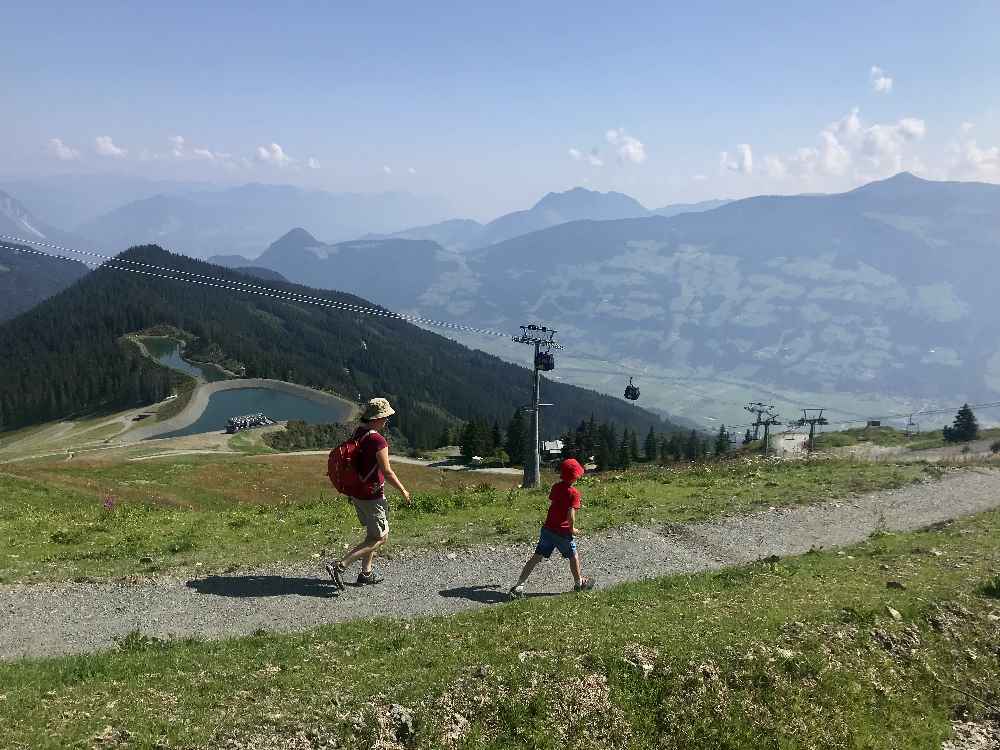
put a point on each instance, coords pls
(631, 391)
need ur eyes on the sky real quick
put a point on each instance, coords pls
(491, 105)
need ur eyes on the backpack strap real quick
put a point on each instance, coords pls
(375, 467)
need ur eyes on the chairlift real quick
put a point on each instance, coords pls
(544, 361)
(631, 391)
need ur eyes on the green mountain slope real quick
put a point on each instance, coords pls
(26, 279)
(66, 355)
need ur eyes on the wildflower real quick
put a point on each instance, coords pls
(109, 502)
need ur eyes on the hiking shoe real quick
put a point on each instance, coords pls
(336, 571)
(369, 579)
(585, 584)
(517, 592)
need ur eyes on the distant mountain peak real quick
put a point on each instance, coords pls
(581, 198)
(297, 236)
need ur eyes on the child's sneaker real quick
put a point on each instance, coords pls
(368, 579)
(517, 592)
(336, 571)
(585, 584)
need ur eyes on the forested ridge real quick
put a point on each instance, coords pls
(26, 278)
(66, 356)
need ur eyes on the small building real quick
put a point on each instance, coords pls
(552, 450)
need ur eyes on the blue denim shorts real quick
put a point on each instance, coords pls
(548, 540)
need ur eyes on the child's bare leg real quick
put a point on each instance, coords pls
(528, 567)
(574, 567)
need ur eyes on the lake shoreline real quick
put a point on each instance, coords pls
(196, 406)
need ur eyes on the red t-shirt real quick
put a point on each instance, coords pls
(368, 448)
(563, 496)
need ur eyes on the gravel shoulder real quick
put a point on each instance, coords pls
(50, 619)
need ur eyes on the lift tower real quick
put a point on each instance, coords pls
(543, 339)
(812, 417)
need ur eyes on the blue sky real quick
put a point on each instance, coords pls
(491, 107)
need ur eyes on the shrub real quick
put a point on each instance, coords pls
(67, 536)
(991, 588)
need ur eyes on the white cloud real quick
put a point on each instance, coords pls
(61, 151)
(741, 161)
(700, 178)
(176, 146)
(313, 163)
(273, 154)
(850, 147)
(629, 148)
(106, 147)
(967, 127)
(204, 153)
(593, 157)
(411, 170)
(880, 80)
(775, 167)
(387, 169)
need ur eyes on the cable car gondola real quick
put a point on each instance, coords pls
(631, 391)
(544, 361)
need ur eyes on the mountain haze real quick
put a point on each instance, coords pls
(244, 219)
(67, 356)
(876, 295)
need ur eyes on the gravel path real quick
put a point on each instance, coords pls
(44, 620)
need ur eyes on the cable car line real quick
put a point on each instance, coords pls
(235, 285)
(99, 261)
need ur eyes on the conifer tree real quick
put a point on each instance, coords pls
(964, 428)
(624, 452)
(497, 438)
(692, 448)
(722, 441)
(517, 434)
(650, 445)
(633, 446)
(603, 457)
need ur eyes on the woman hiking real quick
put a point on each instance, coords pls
(373, 511)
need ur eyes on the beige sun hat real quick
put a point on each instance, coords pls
(377, 408)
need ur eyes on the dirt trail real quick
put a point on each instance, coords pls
(47, 619)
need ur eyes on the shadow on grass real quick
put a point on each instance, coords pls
(258, 586)
(483, 594)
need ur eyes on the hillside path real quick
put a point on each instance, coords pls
(50, 619)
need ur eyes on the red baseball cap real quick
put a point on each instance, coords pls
(570, 470)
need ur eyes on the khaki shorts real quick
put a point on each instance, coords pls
(373, 515)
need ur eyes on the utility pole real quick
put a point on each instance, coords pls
(771, 421)
(912, 427)
(812, 417)
(542, 338)
(759, 408)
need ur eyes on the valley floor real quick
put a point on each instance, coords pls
(47, 619)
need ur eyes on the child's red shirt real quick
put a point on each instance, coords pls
(563, 496)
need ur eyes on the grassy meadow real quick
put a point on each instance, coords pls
(100, 518)
(881, 645)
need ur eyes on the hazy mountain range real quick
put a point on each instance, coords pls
(878, 293)
(553, 209)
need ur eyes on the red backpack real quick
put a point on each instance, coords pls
(342, 468)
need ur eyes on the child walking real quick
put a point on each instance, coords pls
(559, 529)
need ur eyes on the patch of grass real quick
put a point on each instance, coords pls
(250, 443)
(991, 587)
(798, 652)
(222, 511)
